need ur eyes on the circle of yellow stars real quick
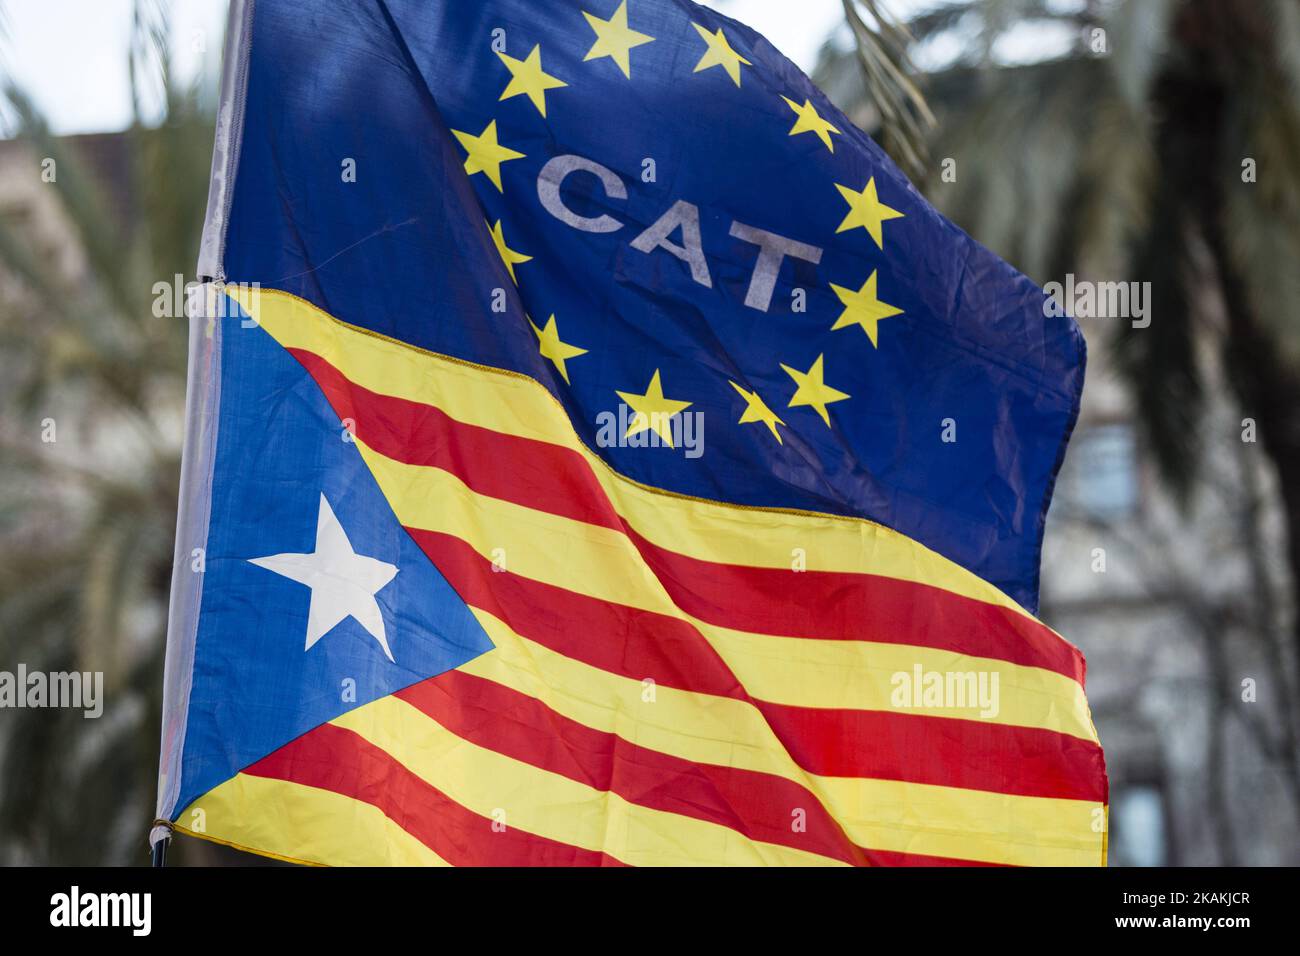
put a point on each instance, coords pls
(615, 39)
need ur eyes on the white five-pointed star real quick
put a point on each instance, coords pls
(343, 583)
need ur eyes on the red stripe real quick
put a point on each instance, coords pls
(612, 637)
(335, 759)
(760, 806)
(886, 745)
(823, 605)
(835, 605)
(558, 480)
(943, 751)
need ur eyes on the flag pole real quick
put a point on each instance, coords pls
(160, 837)
(198, 451)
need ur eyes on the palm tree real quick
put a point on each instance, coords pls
(87, 519)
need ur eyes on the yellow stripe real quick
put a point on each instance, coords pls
(301, 824)
(881, 814)
(604, 563)
(551, 805)
(860, 675)
(515, 404)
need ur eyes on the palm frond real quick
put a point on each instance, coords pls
(882, 52)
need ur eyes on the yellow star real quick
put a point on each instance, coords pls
(720, 54)
(527, 76)
(813, 390)
(508, 255)
(862, 308)
(615, 39)
(653, 411)
(866, 210)
(485, 154)
(810, 121)
(549, 344)
(756, 410)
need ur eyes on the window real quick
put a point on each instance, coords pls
(1103, 471)
(1137, 828)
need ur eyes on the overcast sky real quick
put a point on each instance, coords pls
(71, 54)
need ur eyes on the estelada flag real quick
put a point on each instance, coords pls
(599, 453)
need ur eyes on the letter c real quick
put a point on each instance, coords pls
(552, 177)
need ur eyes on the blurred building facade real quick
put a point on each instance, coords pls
(1180, 609)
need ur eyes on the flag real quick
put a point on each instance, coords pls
(598, 453)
